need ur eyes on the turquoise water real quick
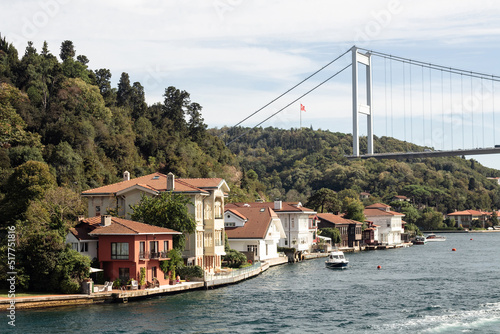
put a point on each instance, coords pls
(420, 289)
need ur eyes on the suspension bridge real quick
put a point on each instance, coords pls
(447, 110)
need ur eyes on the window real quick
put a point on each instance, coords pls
(293, 223)
(165, 246)
(142, 250)
(218, 208)
(84, 247)
(286, 242)
(124, 274)
(119, 250)
(252, 248)
(230, 224)
(153, 272)
(153, 249)
(98, 210)
(74, 245)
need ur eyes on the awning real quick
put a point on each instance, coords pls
(94, 270)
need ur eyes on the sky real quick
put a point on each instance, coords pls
(236, 56)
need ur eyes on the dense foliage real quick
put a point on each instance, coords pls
(168, 210)
(295, 164)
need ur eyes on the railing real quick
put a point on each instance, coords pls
(152, 255)
(232, 273)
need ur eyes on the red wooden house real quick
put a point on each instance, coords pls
(126, 246)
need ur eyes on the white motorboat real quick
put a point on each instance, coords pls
(336, 260)
(433, 237)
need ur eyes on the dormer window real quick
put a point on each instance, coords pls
(156, 177)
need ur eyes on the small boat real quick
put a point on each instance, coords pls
(419, 240)
(336, 260)
(433, 237)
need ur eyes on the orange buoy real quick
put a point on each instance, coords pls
(453, 249)
(379, 267)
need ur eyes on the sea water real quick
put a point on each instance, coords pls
(421, 289)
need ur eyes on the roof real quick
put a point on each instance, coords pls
(157, 182)
(468, 213)
(81, 232)
(378, 205)
(285, 206)
(336, 219)
(120, 226)
(256, 226)
(378, 212)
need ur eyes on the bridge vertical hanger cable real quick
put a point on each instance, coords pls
(472, 110)
(430, 106)
(462, 93)
(451, 112)
(442, 111)
(411, 109)
(493, 102)
(385, 88)
(392, 116)
(404, 102)
(482, 110)
(423, 108)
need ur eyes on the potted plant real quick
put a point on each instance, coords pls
(142, 278)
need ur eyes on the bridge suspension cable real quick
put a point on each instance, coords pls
(292, 88)
(306, 93)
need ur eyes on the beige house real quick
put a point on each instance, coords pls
(204, 247)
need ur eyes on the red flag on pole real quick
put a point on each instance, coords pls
(302, 108)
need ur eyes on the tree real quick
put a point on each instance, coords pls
(124, 90)
(354, 209)
(174, 107)
(234, 258)
(196, 127)
(67, 50)
(324, 200)
(332, 233)
(168, 210)
(29, 182)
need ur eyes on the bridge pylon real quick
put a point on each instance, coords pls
(360, 107)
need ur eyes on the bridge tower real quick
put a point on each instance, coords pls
(360, 107)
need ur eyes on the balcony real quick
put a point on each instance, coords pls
(153, 255)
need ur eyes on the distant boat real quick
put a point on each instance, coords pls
(419, 240)
(433, 237)
(336, 260)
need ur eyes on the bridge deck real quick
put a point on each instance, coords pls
(427, 154)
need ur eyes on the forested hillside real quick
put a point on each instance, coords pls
(65, 129)
(293, 164)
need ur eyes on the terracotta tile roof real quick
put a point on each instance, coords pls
(336, 219)
(378, 212)
(120, 226)
(81, 232)
(158, 182)
(286, 206)
(468, 213)
(378, 205)
(255, 227)
(237, 213)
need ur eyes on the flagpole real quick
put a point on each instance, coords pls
(300, 113)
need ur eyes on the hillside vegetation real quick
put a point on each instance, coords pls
(293, 164)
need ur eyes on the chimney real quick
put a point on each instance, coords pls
(105, 220)
(126, 176)
(80, 218)
(278, 205)
(170, 182)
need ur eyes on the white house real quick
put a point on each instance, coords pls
(390, 225)
(81, 241)
(294, 218)
(254, 230)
